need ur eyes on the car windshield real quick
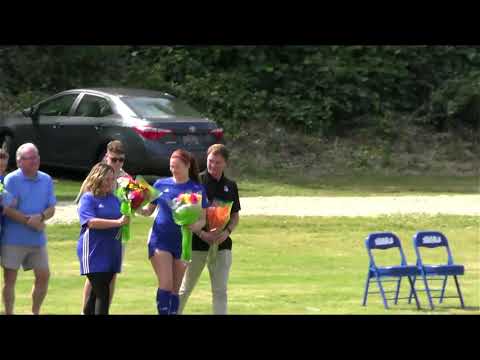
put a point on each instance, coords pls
(159, 107)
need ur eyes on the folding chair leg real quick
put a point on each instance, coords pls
(413, 292)
(380, 286)
(398, 289)
(411, 288)
(444, 285)
(458, 291)
(427, 290)
(365, 295)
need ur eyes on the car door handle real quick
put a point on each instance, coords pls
(98, 127)
(56, 126)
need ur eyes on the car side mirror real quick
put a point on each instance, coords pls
(31, 112)
(27, 112)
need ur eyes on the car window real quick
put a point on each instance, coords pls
(160, 107)
(59, 106)
(93, 106)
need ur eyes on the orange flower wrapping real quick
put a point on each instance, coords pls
(218, 216)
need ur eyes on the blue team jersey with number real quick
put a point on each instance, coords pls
(99, 250)
(165, 234)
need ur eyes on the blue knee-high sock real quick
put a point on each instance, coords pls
(163, 301)
(174, 302)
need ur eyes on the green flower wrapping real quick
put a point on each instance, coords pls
(186, 210)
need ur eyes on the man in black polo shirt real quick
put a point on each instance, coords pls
(218, 187)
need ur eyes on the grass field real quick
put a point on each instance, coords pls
(281, 265)
(361, 185)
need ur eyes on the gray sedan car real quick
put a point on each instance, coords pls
(72, 128)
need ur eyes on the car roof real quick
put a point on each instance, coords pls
(125, 92)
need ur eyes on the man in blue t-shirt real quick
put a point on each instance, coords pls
(24, 241)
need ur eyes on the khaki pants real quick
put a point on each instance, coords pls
(219, 270)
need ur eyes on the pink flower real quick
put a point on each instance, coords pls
(193, 198)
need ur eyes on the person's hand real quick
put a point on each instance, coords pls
(124, 220)
(196, 227)
(147, 210)
(140, 211)
(208, 237)
(36, 222)
(221, 237)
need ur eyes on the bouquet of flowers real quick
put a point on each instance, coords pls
(218, 216)
(186, 210)
(133, 194)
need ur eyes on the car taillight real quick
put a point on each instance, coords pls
(218, 133)
(150, 133)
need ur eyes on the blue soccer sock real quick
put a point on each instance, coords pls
(163, 301)
(174, 302)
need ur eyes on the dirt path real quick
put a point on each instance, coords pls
(334, 206)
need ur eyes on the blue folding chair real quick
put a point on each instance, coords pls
(383, 241)
(435, 239)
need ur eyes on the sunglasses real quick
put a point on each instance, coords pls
(3, 156)
(114, 159)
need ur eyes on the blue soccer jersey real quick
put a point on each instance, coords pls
(165, 234)
(99, 250)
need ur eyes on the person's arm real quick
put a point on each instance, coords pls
(48, 213)
(234, 217)
(16, 215)
(147, 210)
(99, 223)
(38, 220)
(232, 224)
(207, 236)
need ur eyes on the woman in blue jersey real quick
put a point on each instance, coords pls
(99, 245)
(165, 239)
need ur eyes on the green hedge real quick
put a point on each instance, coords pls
(325, 89)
